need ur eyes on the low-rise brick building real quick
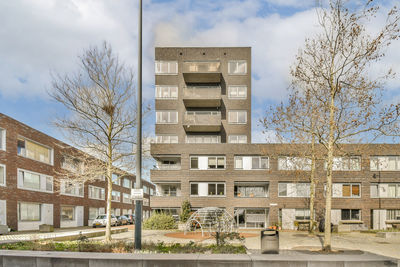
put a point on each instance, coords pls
(31, 194)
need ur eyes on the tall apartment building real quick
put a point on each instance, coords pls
(204, 153)
(31, 194)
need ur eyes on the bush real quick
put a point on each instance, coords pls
(186, 208)
(160, 221)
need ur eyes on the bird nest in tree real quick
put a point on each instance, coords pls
(210, 219)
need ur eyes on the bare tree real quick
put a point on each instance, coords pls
(102, 118)
(332, 72)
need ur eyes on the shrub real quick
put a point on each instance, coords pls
(186, 208)
(160, 221)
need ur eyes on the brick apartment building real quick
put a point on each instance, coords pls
(31, 194)
(204, 153)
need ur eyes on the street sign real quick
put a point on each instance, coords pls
(137, 194)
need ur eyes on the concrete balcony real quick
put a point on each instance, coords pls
(202, 121)
(202, 71)
(202, 96)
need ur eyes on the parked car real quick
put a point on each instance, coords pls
(123, 220)
(101, 221)
(131, 218)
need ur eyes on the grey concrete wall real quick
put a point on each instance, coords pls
(61, 259)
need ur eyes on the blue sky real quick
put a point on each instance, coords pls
(43, 36)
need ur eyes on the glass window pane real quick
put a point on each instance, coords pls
(212, 189)
(194, 162)
(282, 189)
(212, 162)
(29, 212)
(238, 162)
(242, 116)
(346, 190)
(255, 163)
(355, 190)
(194, 189)
(221, 189)
(220, 163)
(345, 215)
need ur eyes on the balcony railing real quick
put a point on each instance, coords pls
(202, 121)
(201, 66)
(202, 96)
(169, 167)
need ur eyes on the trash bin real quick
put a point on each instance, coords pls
(269, 241)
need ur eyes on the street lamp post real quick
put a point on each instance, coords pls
(138, 203)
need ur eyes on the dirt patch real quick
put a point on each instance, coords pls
(317, 250)
(198, 236)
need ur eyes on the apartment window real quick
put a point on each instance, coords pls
(32, 181)
(381, 190)
(203, 139)
(2, 175)
(207, 189)
(151, 192)
(166, 67)
(29, 211)
(393, 215)
(216, 189)
(34, 151)
(351, 190)
(385, 163)
(346, 164)
(96, 192)
(350, 214)
(237, 139)
(237, 67)
(166, 92)
(194, 162)
(116, 196)
(237, 92)
(254, 189)
(166, 117)
(72, 188)
(237, 117)
(294, 163)
(302, 214)
(115, 179)
(166, 139)
(169, 190)
(2, 139)
(251, 163)
(194, 189)
(216, 162)
(126, 183)
(126, 198)
(293, 189)
(94, 212)
(67, 213)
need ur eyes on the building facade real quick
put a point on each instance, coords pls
(204, 153)
(31, 194)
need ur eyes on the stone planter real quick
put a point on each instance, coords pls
(3, 229)
(46, 228)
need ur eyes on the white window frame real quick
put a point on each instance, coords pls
(129, 181)
(351, 189)
(25, 202)
(265, 184)
(236, 88)
(158, 93)
(208, 183)
(260, 159)
(217, 137)
(128, 197)
(345, 158)
(73, 213)
(160, 139)
(3, 136)
(236, 137)
(51, 154)
(359, 219)
(96, 187)
(237, 116)
(378, 167)
(230, 72)
(41, 176)
(296, 196)
(75, 185)
(293, 159)
(113, 200)
(169, 62)
(216, 162)
(169, 116)
(4, 175)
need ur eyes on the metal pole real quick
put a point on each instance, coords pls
(138, 203)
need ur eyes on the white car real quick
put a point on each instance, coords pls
(101, 220)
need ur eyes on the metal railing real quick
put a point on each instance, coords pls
(202, 92)
(201, 66)
(202, 118)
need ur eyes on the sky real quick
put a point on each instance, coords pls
(41, 37)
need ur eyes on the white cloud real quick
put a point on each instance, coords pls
(292, 3)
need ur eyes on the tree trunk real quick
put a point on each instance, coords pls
(328, 203)
(109, 195)
(312, 185)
